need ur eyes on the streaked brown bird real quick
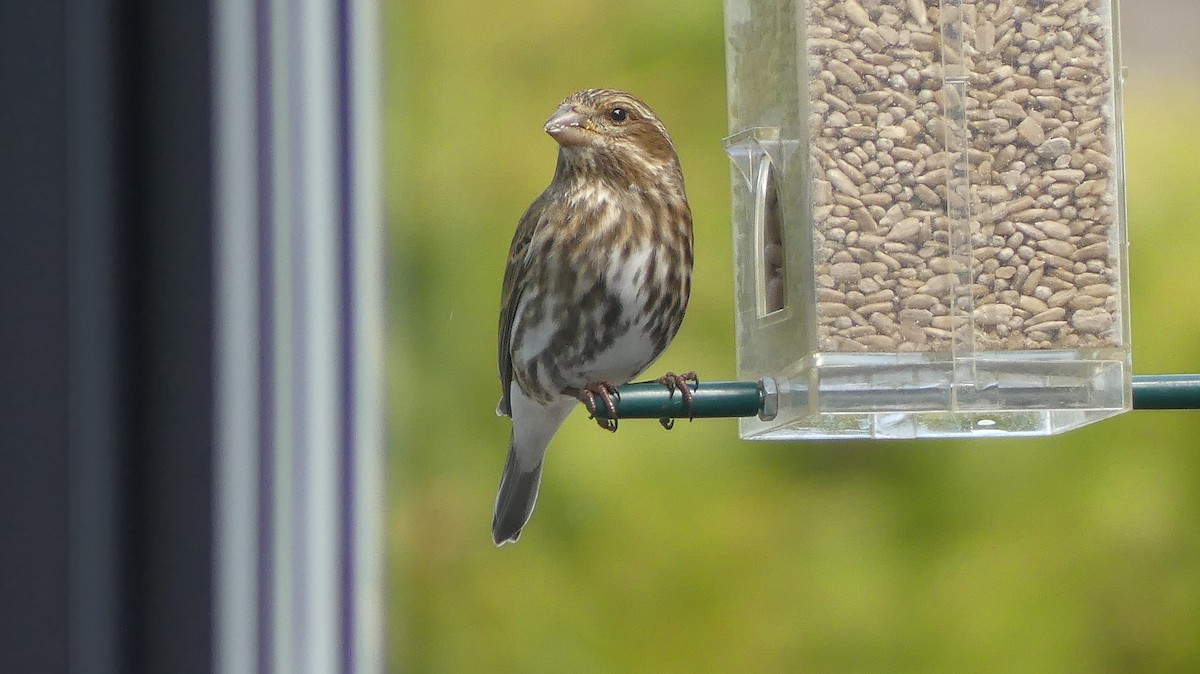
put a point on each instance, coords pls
(597, 282)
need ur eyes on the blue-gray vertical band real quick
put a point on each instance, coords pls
(346, 333)
(236, 342)
(268, 385)
(299, 345)
(364, 194)
(361, 496)
(274, 87)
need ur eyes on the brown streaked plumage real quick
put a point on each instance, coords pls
(597, 281)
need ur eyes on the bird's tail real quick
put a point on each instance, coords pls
(533, 427)
(518, 492)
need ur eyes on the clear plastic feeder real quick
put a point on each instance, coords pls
(928, 207)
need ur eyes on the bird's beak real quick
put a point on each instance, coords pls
(566, 127)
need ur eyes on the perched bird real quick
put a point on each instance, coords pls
(598, 278)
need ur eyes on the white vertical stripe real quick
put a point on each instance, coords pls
(236, 348)
(314, 131)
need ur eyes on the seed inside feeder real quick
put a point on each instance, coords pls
(961, 158)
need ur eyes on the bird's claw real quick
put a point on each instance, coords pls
(607, 394)
(679, 382)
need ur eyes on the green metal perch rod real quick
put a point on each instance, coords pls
(746, 398)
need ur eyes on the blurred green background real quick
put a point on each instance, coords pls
(694, 551)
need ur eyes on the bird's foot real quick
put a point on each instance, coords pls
(607, 394)
(679, 382)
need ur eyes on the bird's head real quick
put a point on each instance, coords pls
(605, 126)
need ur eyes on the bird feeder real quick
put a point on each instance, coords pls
(929, 215)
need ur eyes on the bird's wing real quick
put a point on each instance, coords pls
(514, 283)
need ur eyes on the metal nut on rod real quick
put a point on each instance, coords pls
(768, 390)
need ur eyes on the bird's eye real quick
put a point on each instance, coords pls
(618, 114)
